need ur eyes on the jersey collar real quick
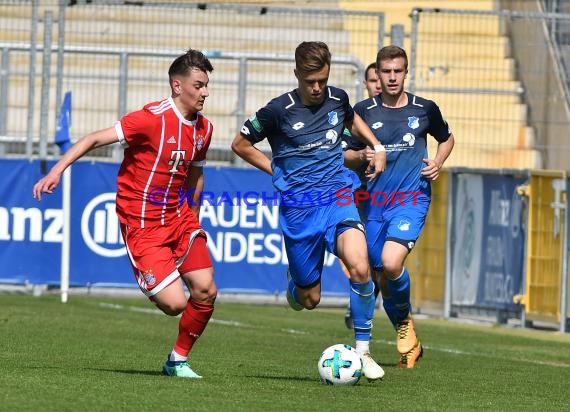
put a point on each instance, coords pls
(182, 118)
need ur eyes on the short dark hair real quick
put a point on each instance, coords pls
(370, 66)
(192, 59)
(311, 56)
(391, 52)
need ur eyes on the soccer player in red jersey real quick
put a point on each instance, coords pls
(158, 190)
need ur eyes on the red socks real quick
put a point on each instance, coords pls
(193, 322)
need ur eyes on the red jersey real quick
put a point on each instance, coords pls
(160, 145)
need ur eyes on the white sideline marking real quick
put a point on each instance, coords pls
(227, 322)
(300, 332)
(131, 308)
(294, 331)
(460, 352)
(158, 312)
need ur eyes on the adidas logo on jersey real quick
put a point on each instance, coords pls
(171, 140)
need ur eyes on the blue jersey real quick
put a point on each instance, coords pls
(403, 132)
(307, 159)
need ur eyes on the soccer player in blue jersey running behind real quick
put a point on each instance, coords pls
(399, 199)
(304, 128)
(358, 160)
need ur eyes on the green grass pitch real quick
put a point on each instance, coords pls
(106, 354)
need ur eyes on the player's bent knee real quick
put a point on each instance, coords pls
(360, 273)
(172, 308)
(393, 269)
(204, 294)
(212, 297)
(208, 297)
(171, 301)
(363, 270)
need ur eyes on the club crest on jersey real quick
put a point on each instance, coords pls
(413, 122)
(199, 142)
(333, 118)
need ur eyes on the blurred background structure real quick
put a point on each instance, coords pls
(498, 69)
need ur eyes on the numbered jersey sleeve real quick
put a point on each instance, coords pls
(261, 124)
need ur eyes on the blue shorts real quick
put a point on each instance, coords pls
(309, 232)
(403, 226)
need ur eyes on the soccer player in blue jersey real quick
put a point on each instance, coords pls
(398, 200)
(359, 160)
(304, 128)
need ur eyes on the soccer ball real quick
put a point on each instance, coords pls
(340, 365)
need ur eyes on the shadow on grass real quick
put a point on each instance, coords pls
(283, 378)
(128, 371)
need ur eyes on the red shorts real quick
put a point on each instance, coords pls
(159, 254)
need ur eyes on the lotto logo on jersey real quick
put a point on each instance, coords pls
(377, 125)
(298, 126)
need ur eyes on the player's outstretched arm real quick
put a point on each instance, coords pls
(252, 155)
(49, 182)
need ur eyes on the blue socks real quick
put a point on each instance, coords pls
(400, 305)
(390, 309)
(362, 303)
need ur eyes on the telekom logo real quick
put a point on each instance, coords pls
(176, 158)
